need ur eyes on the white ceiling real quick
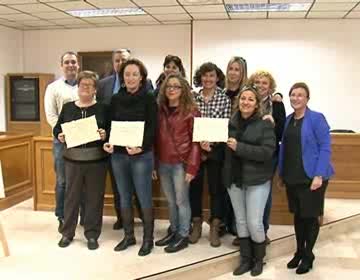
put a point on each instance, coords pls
(51, 14)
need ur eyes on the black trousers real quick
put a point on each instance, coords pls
(216, 190)
(85, 179)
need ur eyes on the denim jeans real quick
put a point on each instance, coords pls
(133, 172)
(249, 204)
(59, 166)
(176, 190)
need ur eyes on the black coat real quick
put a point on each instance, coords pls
(252, 162)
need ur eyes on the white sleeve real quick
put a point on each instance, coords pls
(50, 105)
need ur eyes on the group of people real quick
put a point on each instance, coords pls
(239, 172)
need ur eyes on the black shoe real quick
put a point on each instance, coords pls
(304, 266)
(146, 248)
(178, 243)
(125, 243)
(92, 244)
(61, 224)
(245, 266)
(118, 225)
(294, 262)
(64, 242)
(166, 240)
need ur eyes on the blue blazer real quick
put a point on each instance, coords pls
(315, 145)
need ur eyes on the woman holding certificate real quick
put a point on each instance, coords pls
(212, 103)
(177, 155)
(247, 176)
(132, 163)
(85, 164)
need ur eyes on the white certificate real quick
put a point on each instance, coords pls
(210, 130)
(2, 187)
(80, 132)
(127, 134)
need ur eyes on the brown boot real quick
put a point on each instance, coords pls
(196, 230)
(214, 233)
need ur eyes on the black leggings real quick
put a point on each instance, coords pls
(306, 232)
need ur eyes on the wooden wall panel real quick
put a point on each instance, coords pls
(16, 159)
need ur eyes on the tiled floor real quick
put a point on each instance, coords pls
(34, 252)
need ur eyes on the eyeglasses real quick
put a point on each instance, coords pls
(173, 87)
(73, 62)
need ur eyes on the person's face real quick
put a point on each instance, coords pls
(86, 89)
(263, 86)
(171, 68)
(116, 62)
(247, 103)
(70, 66)
(235, 73)
(298, 98)
(173, 90)
(132, 77)
(209, 80)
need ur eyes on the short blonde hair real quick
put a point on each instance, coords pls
(263, 74)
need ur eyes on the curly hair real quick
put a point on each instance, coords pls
(187, 102)
(140, 65)
(209, 67)
(263, 74)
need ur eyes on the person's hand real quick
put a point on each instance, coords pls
(316, 183)
(205, 146)
(108, 148)
(269, 118)
(102, 133)
(61, 137)
(154, 175)
(232, 143)
(133, 150)
(276, 98)
(188, 178)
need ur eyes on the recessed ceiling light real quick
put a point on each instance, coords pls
(106, 12)
(267, 7)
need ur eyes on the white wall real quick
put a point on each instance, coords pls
(11, 60)
(148, 43)
(325, 54)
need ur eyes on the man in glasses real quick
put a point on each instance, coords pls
(58, 93)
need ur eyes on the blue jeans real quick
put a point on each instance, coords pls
(59, 166)
(249, 204)
(176, 190)
(133, 172)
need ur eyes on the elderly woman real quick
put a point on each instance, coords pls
(85, 165)
(247, 175)
(305, 168)
(133, 166)
(274, 110)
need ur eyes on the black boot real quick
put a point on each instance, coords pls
(148, 237)
(299, 226)
(118, 224)
(128, 222)
(167, 239)
(178, 243)
(259, 250)
(246, 257)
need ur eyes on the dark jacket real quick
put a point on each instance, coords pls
(140, 106)
(279, 116)
(174, 139)
(105, 87)
(251, 163)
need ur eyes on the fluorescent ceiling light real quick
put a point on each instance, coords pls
(268, 7)
(107, 12)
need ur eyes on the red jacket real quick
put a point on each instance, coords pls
(174, 139)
